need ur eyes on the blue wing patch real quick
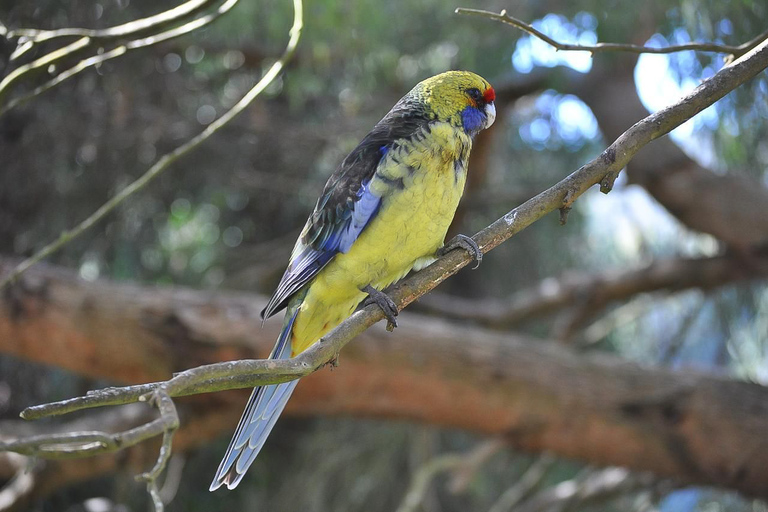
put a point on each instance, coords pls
(309, 258)
(365, 209)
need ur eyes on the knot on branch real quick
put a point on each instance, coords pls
(570, 197)
(606, 184)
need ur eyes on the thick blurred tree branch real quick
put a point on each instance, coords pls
(596, 291)
(539, 396)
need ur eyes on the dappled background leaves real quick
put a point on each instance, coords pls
(227, 216)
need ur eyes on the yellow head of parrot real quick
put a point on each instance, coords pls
(462, 98)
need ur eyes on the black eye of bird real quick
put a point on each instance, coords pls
(475, 94)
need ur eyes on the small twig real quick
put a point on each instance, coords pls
(619, 317)
(465, 465)
(503, 17)
(42, 62)
(606, 184)
(566, 208)
(463, 475)
(84, 444)
(524, 486)
(424, 476)
(679, 336)
(170, 422)
(168, 159)
(173, 477)
(21, 485)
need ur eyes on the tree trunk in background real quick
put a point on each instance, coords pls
(730, 207)
(538, 395)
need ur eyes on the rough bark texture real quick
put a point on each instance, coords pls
(541, 396)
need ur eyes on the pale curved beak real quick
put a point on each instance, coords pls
(490, 114)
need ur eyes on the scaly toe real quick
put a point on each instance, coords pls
(385, 303)
(466, 243)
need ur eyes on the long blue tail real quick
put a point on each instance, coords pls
(261, 413)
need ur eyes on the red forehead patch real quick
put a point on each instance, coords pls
(489, 95)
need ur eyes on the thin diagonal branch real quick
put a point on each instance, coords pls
(524, 486)
(503, 17)
(168, 159)
(467, 463)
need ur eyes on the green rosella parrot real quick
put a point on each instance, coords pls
(384, 212)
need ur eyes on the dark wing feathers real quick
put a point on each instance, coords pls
(345, 206)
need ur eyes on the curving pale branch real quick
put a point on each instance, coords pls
(89, 39)
(126, 29)
(503, 17)
(602, 170)
(101, 57)
(166, 160)
(463, 465)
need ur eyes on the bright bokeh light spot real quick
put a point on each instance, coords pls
(558, 120)
(539, 130)
(575, 120)
(658, 87)
(532, 51)
(628, 220)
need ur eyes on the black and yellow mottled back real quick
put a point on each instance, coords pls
(342, 190)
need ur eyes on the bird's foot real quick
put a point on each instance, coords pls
(466, 243)
(386, 304)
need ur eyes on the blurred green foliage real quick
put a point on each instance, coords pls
(227, 216)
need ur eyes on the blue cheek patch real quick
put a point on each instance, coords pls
(383, 150)
(472, 119)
